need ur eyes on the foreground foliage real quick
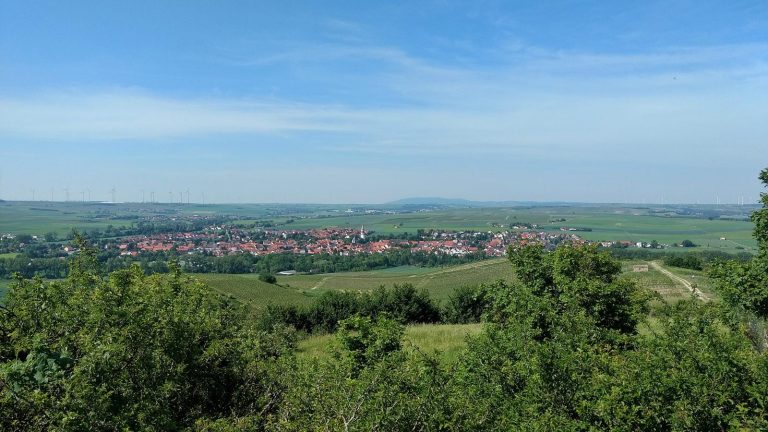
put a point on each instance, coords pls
(560, 350)
(128, 352)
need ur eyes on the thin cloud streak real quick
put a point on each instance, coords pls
(549, 103)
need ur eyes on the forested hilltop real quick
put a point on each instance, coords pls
(567, 346)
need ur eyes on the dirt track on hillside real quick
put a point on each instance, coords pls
(695, 291)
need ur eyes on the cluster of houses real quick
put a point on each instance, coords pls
(225, 240)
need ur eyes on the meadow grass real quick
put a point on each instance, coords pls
(445, 340)
(4, 283)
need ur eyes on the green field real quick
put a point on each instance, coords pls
(439, 282)
(38, 218)
(606, 223)
(301, 289)
(9, 255)
(656, 281)
(446, 339)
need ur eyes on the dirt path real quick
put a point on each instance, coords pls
(695, 291)
(320, 283)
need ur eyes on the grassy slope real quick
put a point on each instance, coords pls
(3, 287)
(257, 294)
(301, 289)
(448, 339)
(451, 339)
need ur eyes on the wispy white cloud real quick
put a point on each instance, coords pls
(124, 114)
(562, 104)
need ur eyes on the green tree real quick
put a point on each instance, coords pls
(366, 341)
(128, 352)
(744, 285)
(577, 275)
(467, 304)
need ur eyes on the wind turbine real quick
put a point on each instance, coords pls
(113, 193)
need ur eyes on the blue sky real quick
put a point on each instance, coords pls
(374, 101)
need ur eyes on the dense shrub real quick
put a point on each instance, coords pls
(402, 303)
(688, 261)
(467, 304)
(267, 277)
(128, 352)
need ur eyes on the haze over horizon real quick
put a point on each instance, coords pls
(336, 103)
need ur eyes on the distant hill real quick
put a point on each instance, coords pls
(460, 202)
(432, 201)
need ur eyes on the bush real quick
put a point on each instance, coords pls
(401, 303)
(126, 351)
(466, 305)
(267, 277)
(688, 261)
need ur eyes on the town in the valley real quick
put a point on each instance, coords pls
(225, 240)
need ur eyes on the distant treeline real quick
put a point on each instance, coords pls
(156, 262)
(51, 263)
(320, 263)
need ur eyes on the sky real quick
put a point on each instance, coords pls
(368, 102)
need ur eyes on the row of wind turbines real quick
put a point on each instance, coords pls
(85, 196)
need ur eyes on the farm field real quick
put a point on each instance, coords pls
(301, 289)
(605, 222)
(669, 289)
(447, 339)
(439, 282)
(38, 218)
(450, 339)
